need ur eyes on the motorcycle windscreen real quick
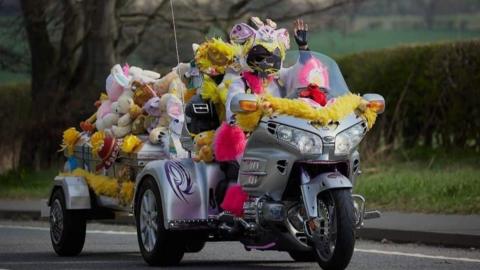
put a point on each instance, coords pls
(302, 68)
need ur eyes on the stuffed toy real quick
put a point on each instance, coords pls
(203, 146)
(164, 113)
(138, 125)
(106, 116)
(142, 75)
(128, 111)
(162, 86)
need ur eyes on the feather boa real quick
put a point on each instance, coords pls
(106, 186)
(335, 111)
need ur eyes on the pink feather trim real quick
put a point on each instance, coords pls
(229, 142)
(234, 199)
(255, 82)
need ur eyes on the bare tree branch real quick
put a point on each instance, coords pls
(137, 39)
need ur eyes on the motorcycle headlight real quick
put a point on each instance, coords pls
(349, 139)
(305, 142)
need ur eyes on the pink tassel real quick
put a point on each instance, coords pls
(229, 142)
(234, 199)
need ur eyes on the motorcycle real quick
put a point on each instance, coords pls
(298, 176)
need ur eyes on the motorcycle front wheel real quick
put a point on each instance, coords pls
(333, 232)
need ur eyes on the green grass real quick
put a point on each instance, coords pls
(20, 185)
(427, 186)
(334, 43)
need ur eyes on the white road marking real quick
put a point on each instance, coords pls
(372, 251)
(416, 255)
(48, 229)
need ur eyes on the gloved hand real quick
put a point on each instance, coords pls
(300, 30)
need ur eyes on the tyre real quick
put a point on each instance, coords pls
(158, 246)
(67, 227)
(302, 256)
(194, 246)
(333, 234)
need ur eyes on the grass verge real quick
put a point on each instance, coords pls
(422, 186)
(20, 185)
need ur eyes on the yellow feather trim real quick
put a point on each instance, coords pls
(106, 186)
(335, 111)
(209, 90)
(214, 55)
(126, 192)
(249, 121)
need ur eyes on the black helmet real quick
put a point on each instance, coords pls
(260, 60)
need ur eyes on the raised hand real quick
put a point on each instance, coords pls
(300, 30)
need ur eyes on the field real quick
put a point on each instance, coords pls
(335, 43)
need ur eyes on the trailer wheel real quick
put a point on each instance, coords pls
(67, 227)
(158, 246)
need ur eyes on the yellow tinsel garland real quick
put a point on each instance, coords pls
(106, 186)
(342, 106)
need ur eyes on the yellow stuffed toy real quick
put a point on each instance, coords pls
(203, 146)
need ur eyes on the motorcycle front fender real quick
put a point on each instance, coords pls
(311, 187)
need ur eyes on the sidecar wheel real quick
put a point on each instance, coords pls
(67, 227)
(302, 256)
(334, 236)
(159, 247)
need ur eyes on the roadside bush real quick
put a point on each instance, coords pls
(431, 92)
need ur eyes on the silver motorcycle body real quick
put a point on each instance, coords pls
(283, 180)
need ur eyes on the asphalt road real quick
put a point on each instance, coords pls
(26, 245)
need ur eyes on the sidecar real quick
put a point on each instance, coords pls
(84, 192)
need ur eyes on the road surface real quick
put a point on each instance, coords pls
(26, 245)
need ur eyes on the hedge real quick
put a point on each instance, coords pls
(432, 93)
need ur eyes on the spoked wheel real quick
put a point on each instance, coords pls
(158, 246)
(67, 227)
(333, 232)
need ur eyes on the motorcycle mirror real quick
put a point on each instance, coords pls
(243, 103)
(376, 102)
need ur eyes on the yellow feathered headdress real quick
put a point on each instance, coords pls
(214, 56)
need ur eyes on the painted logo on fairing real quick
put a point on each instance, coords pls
(179, 179)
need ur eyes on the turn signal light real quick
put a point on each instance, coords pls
(248, 105)
(377, 106)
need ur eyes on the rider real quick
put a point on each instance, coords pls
(264, 50)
